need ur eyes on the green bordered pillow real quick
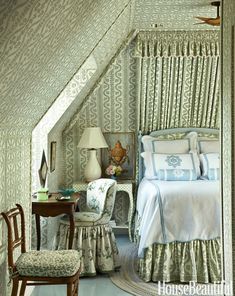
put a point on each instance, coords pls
(210, 163)
(171, 167)
(189, 143)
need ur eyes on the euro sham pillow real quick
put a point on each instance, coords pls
(210, 163)
(189, 143)
(210, 146)
(171, 167)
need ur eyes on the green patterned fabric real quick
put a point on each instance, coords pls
(177, 43)
(198, 260)
(100, 198)
(48, 263)
(93, 237)
(96, 246)
(178, 90)
(177, 136)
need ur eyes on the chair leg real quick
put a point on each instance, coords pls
(70, 289)
(22, 289)
(15, 285)
(76, 283)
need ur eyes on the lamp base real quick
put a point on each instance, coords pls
(93, 169)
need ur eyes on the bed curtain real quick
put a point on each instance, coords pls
(178, 78)
(198, 260)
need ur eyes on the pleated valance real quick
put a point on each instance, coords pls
(177, 43)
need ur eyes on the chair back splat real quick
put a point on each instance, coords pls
(14, 238)
(38, 267)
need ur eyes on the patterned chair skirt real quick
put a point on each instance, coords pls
(96, 246)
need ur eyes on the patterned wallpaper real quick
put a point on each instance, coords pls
(53, 115)
(43, 43)
(103, 53)
(112, 106)
(14, 185)
(169, 14)
(53, 122)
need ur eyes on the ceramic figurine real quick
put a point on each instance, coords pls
(119, 155)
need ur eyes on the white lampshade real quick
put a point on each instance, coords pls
(92, 138)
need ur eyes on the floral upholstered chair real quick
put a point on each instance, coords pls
(93, 236)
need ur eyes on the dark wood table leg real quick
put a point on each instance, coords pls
(37, 218)
(72, 228)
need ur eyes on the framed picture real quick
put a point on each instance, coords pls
(42, 172)
(52, 156)
(121, 151)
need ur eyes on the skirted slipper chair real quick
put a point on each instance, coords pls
(38, 267)
(93, 236)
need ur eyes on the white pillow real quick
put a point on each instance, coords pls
(171, 167)
(210, 146)
(210, 163)
(170, 146)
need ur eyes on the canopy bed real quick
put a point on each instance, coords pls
(178, 206)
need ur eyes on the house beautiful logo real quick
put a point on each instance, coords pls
(194, 288)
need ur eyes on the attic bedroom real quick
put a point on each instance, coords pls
(116, 143)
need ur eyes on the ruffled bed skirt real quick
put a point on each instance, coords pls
(96, 245)
(198, 260)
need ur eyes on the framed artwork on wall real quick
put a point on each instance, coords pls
(42, 172)
(121, 152)
(52, 156)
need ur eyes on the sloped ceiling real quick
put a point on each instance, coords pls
(42, 45)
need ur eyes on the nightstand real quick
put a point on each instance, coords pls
(122, 185)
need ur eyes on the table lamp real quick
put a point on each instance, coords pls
(93, 139)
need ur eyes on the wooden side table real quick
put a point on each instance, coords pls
(52, 208)
(126, 186)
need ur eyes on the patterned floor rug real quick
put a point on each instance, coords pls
(127, 278)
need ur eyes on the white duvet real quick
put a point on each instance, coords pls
(180, 211)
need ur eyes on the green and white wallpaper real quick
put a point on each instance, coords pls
(14, 187)
(112, 106)
(42, 45)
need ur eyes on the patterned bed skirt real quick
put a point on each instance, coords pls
(198, 260)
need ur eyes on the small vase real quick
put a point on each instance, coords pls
(113, 177)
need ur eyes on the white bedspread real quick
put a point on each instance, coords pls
(177, 211)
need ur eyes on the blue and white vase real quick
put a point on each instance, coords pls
(113, 177)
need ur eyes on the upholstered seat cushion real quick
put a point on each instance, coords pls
(48, 263)
(86, 217)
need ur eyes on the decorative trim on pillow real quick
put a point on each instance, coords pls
(171, 167)
(210, 163)
(177, 175)
(170, 146)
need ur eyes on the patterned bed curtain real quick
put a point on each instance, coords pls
(178, 76)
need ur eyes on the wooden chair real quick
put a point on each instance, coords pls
(41, 267)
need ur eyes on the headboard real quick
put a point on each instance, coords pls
(173, 134)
